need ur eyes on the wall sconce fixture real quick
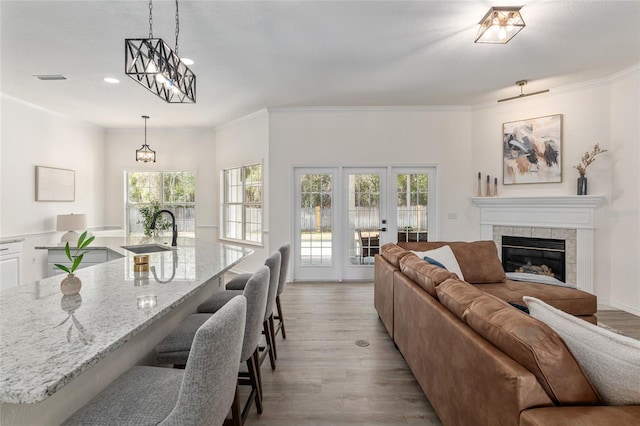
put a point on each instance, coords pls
(521, 83)
(145, 154)
(152, 63)
(500, 25)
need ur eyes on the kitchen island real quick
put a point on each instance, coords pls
(57, 352)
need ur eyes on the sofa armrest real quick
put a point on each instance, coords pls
(581, 416)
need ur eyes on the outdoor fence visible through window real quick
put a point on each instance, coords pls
(148, 192)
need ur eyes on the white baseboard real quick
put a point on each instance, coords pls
(618, 305)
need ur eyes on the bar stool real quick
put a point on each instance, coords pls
(237, 284)
(175, 348)
(199, 395)
(285, 252)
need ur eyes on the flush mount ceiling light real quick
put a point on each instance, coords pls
(152, 63)
(500, 25)
(145, 154)
(521, 83)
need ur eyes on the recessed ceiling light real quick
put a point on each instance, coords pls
(187, 61)
(111, 80)
(50, 77)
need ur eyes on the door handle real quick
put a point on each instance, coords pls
(382, 229)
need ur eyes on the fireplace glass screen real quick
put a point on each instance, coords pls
(541, 256)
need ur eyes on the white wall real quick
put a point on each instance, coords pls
(176, 149)
(374, 137)
(604, 112)
(622, 214)
(32, 136)
(240, 143)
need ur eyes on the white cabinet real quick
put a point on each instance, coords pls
(10, 264)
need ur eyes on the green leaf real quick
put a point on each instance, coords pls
(62, 267)
(76, 262)
(81, 239)
(86, 243)
(68, 252)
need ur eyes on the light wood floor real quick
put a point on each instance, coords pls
(324, 378)
(628, 324)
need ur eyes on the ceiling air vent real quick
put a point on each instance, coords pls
(50, 77)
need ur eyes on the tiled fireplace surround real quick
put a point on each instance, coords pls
(569, 218)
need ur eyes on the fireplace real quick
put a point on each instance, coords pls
(570, 217)
(542, 256)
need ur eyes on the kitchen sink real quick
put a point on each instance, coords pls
(148, 248)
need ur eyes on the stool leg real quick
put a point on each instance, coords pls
(270, 348)
(280, 317)
(236, 414)
(253, 364)
(272, 329)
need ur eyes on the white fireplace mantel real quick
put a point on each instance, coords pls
(571, 212)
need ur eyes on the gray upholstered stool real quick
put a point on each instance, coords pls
(175, 348)
(212, 304)
(238, 282)
(285, 252)
(201, 394)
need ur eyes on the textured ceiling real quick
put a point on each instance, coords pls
(252, 55)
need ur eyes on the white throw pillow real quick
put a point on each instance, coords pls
(610, 361)
(445, 256)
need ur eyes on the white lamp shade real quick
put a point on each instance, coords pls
(71, 222)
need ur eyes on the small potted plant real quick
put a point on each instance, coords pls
(71, 284)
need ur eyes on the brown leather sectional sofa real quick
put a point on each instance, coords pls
(479, 360)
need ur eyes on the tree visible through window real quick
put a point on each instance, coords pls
(242, 200)
(173, 191)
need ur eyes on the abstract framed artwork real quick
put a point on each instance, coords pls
(532, 150)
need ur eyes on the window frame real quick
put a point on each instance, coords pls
(163, 205)
(243, 205)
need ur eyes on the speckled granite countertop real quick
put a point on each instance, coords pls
(47, 339)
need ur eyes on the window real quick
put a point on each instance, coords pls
(242, 203)
(413, 206)
(174, 191)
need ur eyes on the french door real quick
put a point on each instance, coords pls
(343, 215)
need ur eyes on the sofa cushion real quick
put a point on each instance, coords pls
(611, 361)
(392, 253)
(528, 341)
(444, 257)
(570, 300)
(478, 260)
(426, 275)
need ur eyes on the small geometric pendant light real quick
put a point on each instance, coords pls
(145, 154)
(500, 25)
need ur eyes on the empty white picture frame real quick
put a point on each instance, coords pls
(53, 184)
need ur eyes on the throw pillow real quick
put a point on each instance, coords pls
(443, 255)
(519, 307)
(610, 361)
(432, 261)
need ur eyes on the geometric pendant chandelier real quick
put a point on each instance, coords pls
(145, 154)
(500, 25)
(152, 63)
